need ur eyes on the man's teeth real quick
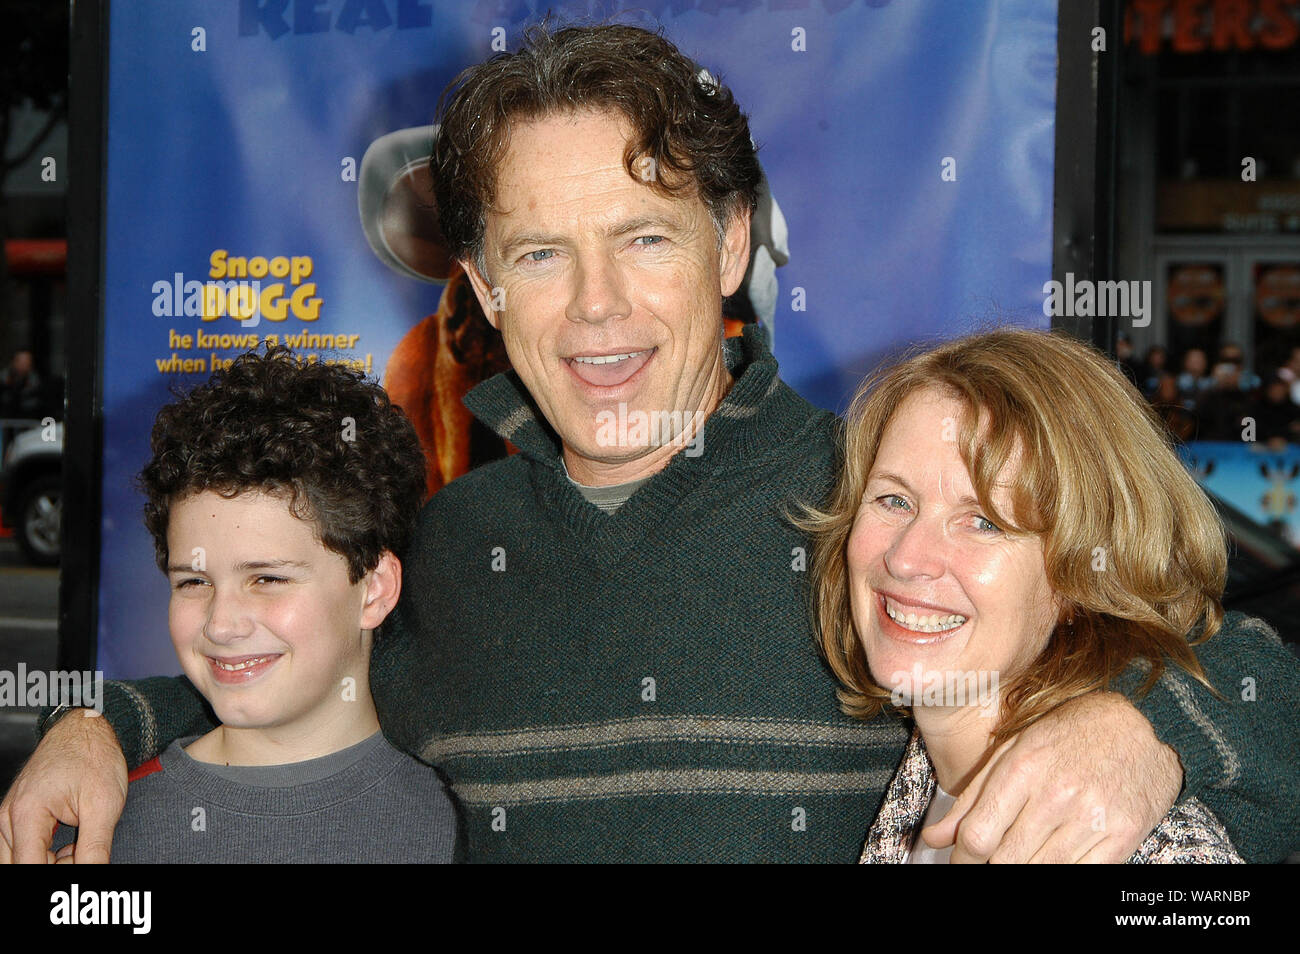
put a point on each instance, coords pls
(242, 665)
(931, 623)
(608, 358)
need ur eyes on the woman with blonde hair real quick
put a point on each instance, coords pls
(1010, 530)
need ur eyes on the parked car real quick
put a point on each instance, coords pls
(31, 492)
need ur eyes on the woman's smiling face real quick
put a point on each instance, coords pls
(932, 581)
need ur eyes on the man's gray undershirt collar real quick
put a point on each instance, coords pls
(608, 499)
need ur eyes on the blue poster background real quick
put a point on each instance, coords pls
(241, 146)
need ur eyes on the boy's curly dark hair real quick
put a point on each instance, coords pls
(269, 423)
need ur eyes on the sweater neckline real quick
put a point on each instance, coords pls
(740, 428)
(758, 415)
(345, 773)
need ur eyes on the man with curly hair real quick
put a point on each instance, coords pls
(279, 496)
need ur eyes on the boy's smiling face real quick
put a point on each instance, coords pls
(265, 621)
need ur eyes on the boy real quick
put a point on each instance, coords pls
(279, 495)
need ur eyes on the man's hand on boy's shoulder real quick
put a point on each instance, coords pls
(76, 776)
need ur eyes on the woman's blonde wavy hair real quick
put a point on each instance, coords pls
(1133, 548)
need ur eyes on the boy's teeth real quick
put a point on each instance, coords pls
(242, 665)
(608, 358)
(926, 623)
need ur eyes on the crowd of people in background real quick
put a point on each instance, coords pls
(1217, 400)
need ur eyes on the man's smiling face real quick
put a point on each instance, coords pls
(609, 293)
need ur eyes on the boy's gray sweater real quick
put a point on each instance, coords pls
(366, 803)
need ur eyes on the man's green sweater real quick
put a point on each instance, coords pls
(643, 685)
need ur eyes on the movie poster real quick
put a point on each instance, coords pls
(265, 183)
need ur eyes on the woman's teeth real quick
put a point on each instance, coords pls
(931, 623)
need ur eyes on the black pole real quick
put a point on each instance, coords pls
(83, 416)
(1087, 91)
